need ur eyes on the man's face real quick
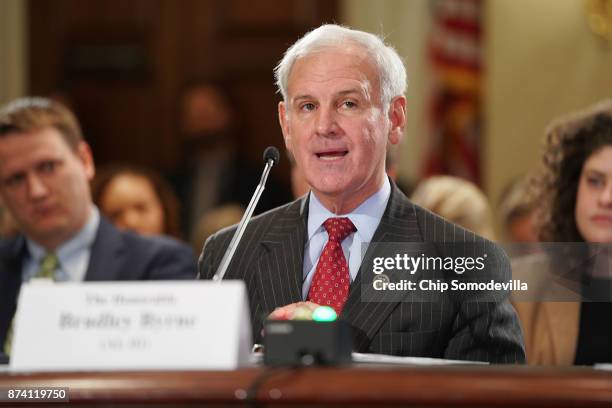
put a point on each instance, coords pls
(594, 198)
(334, 124)
(45, 184)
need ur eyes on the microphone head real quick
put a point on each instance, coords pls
(271, 153)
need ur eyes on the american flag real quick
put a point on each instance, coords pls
(454, 109)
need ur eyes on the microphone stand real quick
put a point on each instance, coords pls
(271, 155)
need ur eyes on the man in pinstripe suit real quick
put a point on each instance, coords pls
(343, 103)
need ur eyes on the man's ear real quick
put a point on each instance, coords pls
(397, 119)
(283, 119)
(83, 152)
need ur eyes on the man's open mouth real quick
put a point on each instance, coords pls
(332, 155)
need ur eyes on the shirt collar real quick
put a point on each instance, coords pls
(81, 240)
(365, 217)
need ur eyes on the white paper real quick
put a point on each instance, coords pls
(421, 361)
(603, 366)
(383, 359)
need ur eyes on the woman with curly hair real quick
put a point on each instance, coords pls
(138, 199)
(574, 190)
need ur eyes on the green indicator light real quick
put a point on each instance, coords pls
(324, 314)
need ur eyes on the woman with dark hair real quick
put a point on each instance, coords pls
(568, 187)
(138, 199)
(574, 190)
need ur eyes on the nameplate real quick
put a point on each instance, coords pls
(190, 325)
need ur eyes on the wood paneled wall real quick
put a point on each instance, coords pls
(122, 64)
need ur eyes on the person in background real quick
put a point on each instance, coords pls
(517, 212)
(215, 171)
(45, 170)
(457, 200)
(207, 125)
(574, 196)
(138, 199)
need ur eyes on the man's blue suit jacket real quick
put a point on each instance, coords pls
(115, 255)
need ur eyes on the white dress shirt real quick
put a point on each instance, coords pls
(366, 218)
(73, 254)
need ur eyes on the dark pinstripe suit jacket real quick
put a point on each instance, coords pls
(269, 260)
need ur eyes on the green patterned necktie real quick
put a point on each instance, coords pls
(48, 265)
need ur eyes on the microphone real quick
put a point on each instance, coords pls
(271, 153)
(271, 156)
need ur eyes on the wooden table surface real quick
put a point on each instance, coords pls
(499, 386)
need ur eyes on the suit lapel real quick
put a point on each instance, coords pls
(280, 265)
(398, 224)
(107, 254)
(10, 282)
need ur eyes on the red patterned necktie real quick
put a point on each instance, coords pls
(331, 281)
